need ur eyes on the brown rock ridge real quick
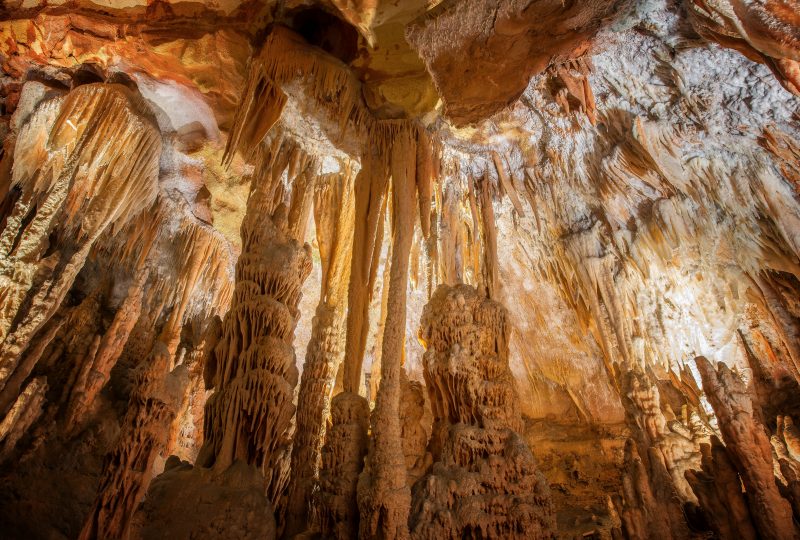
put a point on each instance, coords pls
(507, 42)
(765, 32)
(749, 449)
(484, 480)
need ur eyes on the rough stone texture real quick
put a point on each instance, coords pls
(763, 31)
(749, 449)
(507, 42)
(342, 461)
(230, 505)
(484, 481)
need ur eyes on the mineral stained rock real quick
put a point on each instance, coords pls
(749, 449)
(484, 481)
(221, 223)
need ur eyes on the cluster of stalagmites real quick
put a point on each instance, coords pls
(484, 482)
(679, 477)
(247, 420)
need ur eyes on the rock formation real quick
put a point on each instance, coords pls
(749, 449)
(580, 201)
(254, 356)
(342, 461)
(68, 188)
(333, 210)
(127, 472)
(718, 488)
(484, 481)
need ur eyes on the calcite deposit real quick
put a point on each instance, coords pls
(419, 269)
(483, 482)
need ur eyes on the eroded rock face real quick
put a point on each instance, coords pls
(507, 42)
(484, 481)
(626, 186)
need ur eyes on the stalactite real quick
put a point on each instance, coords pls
(451, 251)
(484, 481)
(490, 267)
(346, 438)
(81, 190)
(375, 368)
(125, 479)
(370, 191)
(97, 370)
(260, 106)
(384, 498)
(749, 448)
(333, 213)
(302, 196)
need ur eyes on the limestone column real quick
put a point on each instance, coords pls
(384, 498)
(334, 214)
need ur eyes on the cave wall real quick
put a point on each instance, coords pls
(629, 193)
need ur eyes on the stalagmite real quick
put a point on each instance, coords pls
(718, 488)
(484, 481)
(748, 447)
(415, 427)
(152, 407)
(254, 357)
(665, 452)
(384, 498)
(333, 211)
(342, 462)
(641, 516)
